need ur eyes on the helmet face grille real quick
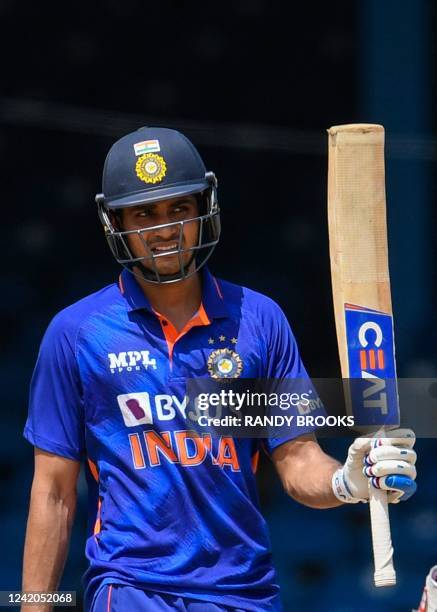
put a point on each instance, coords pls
(146, 266)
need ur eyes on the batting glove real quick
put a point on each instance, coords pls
(429, 598)
(387, 462)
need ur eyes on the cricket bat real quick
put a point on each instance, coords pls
(362, 300)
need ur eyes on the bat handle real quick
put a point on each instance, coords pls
(385, 574)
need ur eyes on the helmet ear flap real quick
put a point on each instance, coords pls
(111, 219)
(103, 213)
(209, 196)
(211, 178)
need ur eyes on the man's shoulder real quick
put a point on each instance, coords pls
(70, 319)
(251, 301)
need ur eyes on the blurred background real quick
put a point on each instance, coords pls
(255, 84)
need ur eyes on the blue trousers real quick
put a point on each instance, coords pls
(122, 598)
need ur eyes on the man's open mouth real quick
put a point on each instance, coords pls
(163, 248)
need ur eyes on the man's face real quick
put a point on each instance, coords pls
(158, 241)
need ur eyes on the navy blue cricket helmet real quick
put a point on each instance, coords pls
(144, 167)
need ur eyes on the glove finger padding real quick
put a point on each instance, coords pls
(404, 438)
(387, 467)
(398, 487)
(395, 437)
(382, 453)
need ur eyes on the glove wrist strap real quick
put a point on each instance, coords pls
(341, 490)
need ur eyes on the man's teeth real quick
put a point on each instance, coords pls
(169, 247)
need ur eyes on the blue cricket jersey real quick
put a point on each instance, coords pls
(168, 511)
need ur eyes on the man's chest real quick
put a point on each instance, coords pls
(135, 393)
(131, 374)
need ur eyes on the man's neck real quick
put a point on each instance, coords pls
(177, 302)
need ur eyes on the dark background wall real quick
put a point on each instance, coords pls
(255, 84)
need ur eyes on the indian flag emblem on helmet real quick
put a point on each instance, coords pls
(151, 168)
(146, 146)
(224, 363)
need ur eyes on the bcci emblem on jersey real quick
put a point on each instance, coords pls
(224, 363)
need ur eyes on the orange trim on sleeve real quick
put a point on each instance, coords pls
(108, 609)
(95, 473)
(93, 469)
(98, 523)
(255, 461)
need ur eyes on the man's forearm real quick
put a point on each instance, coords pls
(47, 538)
(306, 472)
(314, 489)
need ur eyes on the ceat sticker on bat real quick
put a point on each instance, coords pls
(372, 367)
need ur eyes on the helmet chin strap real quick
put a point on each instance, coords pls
(154, 277)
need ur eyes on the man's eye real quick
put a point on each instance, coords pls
(180, 208)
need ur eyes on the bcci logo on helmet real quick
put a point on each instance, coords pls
(151, 168)
(130, 361)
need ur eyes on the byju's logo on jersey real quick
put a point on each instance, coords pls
(139, 408)
(135, 408)
(130, 361)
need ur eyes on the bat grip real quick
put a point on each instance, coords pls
(385, 574)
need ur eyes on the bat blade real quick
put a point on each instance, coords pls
(362, 298)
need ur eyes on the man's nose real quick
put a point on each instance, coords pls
(166, 231)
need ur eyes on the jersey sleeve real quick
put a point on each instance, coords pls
(284, 362)
(283, 358)
(55, 420)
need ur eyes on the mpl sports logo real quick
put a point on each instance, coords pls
(372, 366)
(130, 361)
